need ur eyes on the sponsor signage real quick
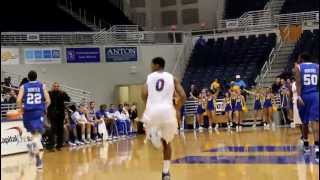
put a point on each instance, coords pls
(42, 55)
(14, 138)
(121, 54)
(10, 56)
(83, 55)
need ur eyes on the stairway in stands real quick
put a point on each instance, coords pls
(279, 64)
(275, 6)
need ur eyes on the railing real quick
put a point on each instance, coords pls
(183, 58)
(124, 28)
(266, 68)
(92, 38)
(251, 18)
(77, 95)
(297, 18)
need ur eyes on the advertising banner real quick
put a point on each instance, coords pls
(10, 56)
(121, 54)
(42, 55)
(14, 137)
(83, 55)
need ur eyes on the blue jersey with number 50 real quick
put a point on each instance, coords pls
(33, 97)
(309, 77)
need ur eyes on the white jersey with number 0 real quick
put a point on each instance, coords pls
(160, 114)
(160, 89)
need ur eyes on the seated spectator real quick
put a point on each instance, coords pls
(122, 119)
(102, 121)
(80, 119)
(92, 120)
(112, 121)
(126, 116)
(6, 85)
(11, 97)
(73, 127)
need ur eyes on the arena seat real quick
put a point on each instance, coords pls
(294, 6)
(309, 43)
(224, 58)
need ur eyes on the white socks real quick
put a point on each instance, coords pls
(166, 166)
(83, 137)
(88, 136)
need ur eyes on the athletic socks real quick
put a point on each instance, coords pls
(166, 166)
(83, 137)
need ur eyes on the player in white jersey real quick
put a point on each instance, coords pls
(296, 116)
(160, 113)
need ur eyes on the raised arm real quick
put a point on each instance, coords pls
(180, 91)
(19, 98)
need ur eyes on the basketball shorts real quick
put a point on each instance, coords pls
(33, 121)
(237, 107)
(210, 106)
(163, 119)
(310, 110)
(228, 108)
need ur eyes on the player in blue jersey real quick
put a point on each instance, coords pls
(33, 100)
(307, 82)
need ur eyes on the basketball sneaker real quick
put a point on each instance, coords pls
(317, 154)
(155, 138)
(306, 148)
(165, 176)
(39, 163)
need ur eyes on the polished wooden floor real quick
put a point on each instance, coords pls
(249, 155)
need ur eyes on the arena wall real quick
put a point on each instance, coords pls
(101, 78)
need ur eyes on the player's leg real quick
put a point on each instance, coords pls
(315, 129)
(167, 153)
(230, 118)
(36, 137)
(211, 118)
(237, 119)
(60, 131)
(200, 120)
(270, 119)
(88, 131)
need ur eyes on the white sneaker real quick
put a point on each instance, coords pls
(181, 129)
(77, 142)
(85, 141)
(155, 138)
(240, 128)
(254, 125)
(210, 128)
(71, 143)
(237, 128)
(200, 128)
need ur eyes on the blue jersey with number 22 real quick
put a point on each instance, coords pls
(33, 96)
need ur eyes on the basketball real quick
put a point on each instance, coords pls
(14, 114)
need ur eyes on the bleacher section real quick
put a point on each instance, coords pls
(308, 42)
(294, 6)
(235, 8)
(103, 9)
(27, 16)
(225, 58)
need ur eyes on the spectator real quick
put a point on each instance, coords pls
(133, 114)
(112, 121)
(56, 115)
(11, 98)
(80, 119)
(121, 119)
(73, 127)
(193, 93)
(101, 121)
(239, 82)
(276, 86)
(6, 85)
(90, 113)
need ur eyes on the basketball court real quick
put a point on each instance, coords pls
(251, 154)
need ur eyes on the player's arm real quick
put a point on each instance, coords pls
(180, 91)
(297, 76)
(46, 96)
(144, 93)
(19, 98)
